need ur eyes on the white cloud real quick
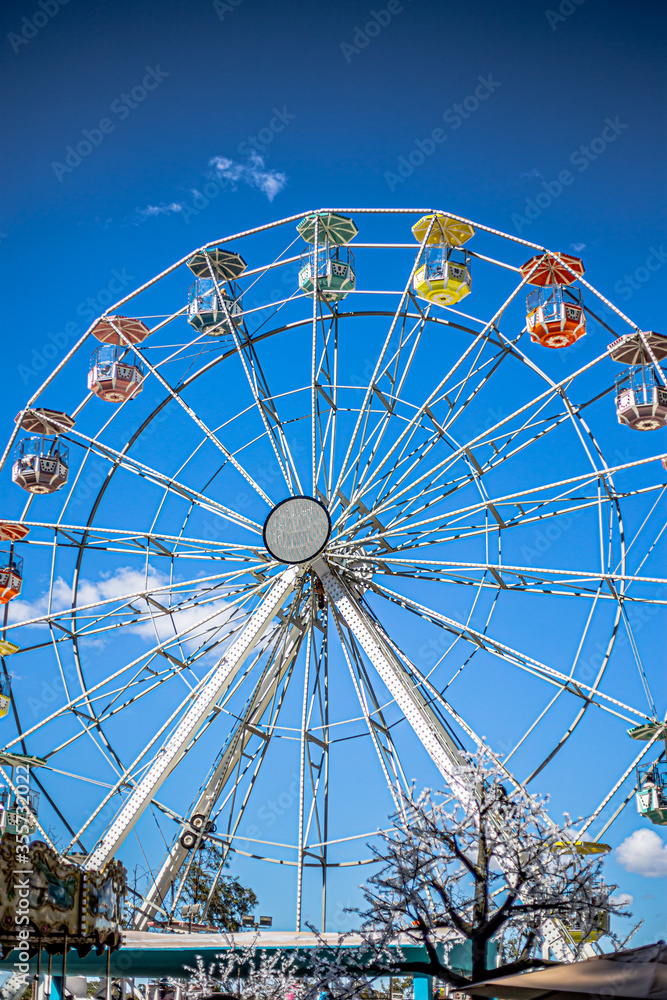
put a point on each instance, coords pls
(530, 175)
(21, 610)
(150, 211)
(644, 852)
(577, 247)
(125, 580)
(253, 173)
(623, 899)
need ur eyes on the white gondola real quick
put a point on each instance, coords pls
(41, 464)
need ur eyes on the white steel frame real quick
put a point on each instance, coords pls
(385, 489)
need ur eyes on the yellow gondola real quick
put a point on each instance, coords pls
(444, 276)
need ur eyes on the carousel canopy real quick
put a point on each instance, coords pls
(82, 909)
(551, 269)
(331, 226)
(225, 264)
(42, 421)
(631, 350)
(444, 230)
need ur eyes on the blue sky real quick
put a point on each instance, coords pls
(194, 120)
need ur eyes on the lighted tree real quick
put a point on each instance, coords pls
(250, 973)
(492, 869)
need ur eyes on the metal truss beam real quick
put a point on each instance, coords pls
(175, 747)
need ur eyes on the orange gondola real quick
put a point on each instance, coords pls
(11, 576)
(552, 269)
(554, 312)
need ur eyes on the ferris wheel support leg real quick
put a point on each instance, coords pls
(438, 744)
(174, 749)
(219, 778)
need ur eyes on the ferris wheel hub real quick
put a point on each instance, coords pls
(297, 529)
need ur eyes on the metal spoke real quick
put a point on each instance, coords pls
(124, 461)
(74, 702)
(369, 392)
(176, 395)
(513, 657)
(433, 395)
(376, 724)
(583, 479)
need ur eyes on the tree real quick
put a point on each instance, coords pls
(493, 869)
(230, 901)
(250, 974)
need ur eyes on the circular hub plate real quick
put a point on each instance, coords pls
(297, 529)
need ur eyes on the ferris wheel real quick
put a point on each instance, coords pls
(317, 524)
